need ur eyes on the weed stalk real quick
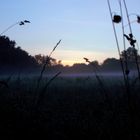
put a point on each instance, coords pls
(46, 63)
(127, 71)
(117, 42)
(131, 39)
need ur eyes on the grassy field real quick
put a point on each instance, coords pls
(70, 107)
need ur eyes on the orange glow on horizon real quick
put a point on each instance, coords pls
(70, 62)
(70, 57)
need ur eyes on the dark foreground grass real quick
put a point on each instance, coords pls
(70, 108)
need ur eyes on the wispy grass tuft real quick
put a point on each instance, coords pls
(43, 91)
(46, 63)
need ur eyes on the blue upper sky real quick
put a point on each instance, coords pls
(83, 25)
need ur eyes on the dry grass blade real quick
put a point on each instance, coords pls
(117, 41)
(55, 47)
(46, 63)
(130, 38)
(42, 93)
(96, 75)
(86, 59)
(102, 87)
(50, 81)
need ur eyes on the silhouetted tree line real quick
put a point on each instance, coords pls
(14, 58)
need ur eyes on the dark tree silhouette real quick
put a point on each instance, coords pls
(79, 67)
(130, 54)
(14, 58)
(41, 59)
(94, 65)
(111, 64)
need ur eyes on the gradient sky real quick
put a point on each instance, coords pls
(83, 25)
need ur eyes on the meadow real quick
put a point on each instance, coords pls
(66, 106)
(70, 107)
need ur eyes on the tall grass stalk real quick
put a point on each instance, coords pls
(43, 91)
(39, 95)
(131, 39)
(117, 42)
(100, 82)
(46, 63)
(130, 100)
(125, 55)
(125, 71)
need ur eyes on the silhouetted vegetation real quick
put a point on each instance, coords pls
(111, 64)
(130, 53)
(14, 58)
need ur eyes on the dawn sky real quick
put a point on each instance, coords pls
(83, 25)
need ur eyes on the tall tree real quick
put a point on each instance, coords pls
(12, 57)
(130, 54)
(111, 64)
